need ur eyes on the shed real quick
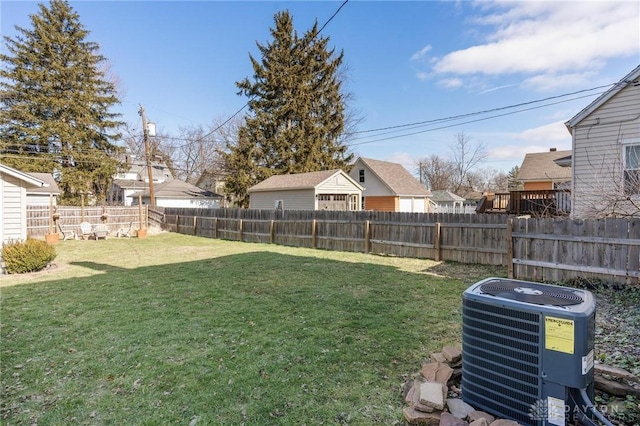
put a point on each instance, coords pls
(13, 202)
(323, 190)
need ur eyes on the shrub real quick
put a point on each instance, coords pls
(28, 256)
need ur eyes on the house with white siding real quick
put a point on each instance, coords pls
(389, 187)
(177, 193)
(606, 152)
(323, 190)
(13, 202)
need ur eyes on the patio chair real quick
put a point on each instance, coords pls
(85, 231)
(68, 234)
(126, 233)
(101, 231)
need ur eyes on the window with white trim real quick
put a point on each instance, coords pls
(631, 166)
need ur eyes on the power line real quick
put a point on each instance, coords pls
(468, 122)
(483, 112)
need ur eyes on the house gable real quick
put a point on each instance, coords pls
(600, 133)
(539, 171)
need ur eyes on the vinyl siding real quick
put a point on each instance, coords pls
(302, 199)
(337, 184)
(372, 185)
(597, 148)
(14, 213)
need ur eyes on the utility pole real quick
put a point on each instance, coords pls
(147, 154)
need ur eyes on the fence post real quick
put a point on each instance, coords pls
(436, 243)
(195, 224)
(272, 231)
(177, 223)
(367, 236)
(215, 227)
(313, 234)
(239, 229)
(509, 238)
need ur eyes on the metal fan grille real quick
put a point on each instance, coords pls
(531, 293)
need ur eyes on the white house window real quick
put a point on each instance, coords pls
(631, 166)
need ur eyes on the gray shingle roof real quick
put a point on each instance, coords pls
(50, 185)
(445, 196)
(308, 180)
(396, 177)
(541, 166)
(178, 189)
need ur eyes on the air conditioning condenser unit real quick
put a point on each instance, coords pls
(527, 350)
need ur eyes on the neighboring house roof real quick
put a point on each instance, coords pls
(602, 99)
(295, 181)
(541, 166)
(131, 184)
(445, 196)
(21, 175)
(395, 177)
(50, 185)
(177, 189)
(563, 161)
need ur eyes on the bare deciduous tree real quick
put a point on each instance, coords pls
(466, 157)
(436, 173)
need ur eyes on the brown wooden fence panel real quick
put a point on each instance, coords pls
(70, 217)
(550, 249)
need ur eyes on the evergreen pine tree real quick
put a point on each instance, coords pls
(296, 117)
(55, 102)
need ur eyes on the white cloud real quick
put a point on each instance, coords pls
(408, 161)
(547, 39)
(450, 83)
(421, 54)
(554, 132)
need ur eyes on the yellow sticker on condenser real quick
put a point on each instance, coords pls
(559, 334)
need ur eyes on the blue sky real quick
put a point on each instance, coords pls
(406, 62)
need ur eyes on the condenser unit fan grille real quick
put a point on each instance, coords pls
(501, 366)
(531, 293)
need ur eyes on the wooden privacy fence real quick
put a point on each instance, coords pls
(552, 250)
(39, 218)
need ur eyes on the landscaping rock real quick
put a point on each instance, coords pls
(477, 415)
(479, 422)
(415, 417)
(433, 394)
(438, 357)
(413, 398)
(436, 372)
(452, 354)
(448, 419)
(459, 408)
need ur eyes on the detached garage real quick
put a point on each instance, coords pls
(324, 190)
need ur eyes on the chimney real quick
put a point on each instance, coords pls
(553, 149)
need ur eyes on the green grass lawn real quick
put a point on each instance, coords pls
(174, 329)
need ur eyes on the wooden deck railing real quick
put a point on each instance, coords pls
(552, 202)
